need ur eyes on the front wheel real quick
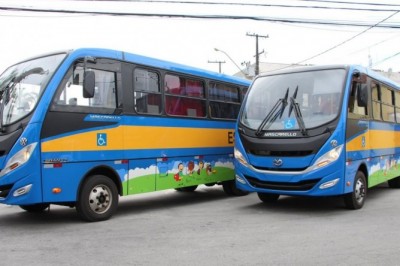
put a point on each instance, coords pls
(355, 200)
(231, 189)
(35, 208)
(268, 197)
(98, 199)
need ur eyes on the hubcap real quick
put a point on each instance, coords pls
(100, 199)
(359, 191)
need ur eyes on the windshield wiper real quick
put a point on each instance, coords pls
(276, 111)
(299, 117)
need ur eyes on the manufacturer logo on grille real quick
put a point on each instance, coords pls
(334, 143)
(278, 162)
(23, 141)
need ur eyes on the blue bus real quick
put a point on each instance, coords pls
(319, 131)
(82, 127)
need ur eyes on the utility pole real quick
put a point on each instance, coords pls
(217, 62)
(257, 70)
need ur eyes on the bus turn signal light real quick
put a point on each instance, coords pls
(56, 190)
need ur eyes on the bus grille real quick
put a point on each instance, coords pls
(280, 169)
(281, 153)
(286, 186)
(4, 190)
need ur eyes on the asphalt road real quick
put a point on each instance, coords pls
(209, 228)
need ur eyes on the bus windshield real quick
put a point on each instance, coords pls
(21, 86)
(293, 101)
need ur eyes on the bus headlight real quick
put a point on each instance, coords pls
(328, 157)
(18, 159)
(239, 156)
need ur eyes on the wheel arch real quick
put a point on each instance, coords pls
(363, 168)
(105, 171)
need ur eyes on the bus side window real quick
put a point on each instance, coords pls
(387, 104)
(376, 101)
(224, 100)
(397, 106)
(354, 109)
(70, 95)
(184, 96)
(147, 91)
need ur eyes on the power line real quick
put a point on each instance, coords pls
(274, 5)
(385, 59)
(224, 17)
(375, 44)
(349, 3)
(340, 44)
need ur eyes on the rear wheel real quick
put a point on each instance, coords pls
(394, 183)
(355, 200)
(268, 197)
(98, 199)
(231, 189)
(34, 208)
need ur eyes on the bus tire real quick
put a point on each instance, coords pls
(231, 190)
(394, 183)
(35, 208)
(186, 189)
(355, 200)
(97, 199)
(268, 197)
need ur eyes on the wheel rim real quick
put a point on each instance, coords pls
(100, 199)
(359, 191)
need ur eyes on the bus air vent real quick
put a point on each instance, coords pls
(286, 186)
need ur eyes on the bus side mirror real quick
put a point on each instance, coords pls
(89, 81)
(362, 95)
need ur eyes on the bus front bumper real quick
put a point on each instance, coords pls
(324, 182)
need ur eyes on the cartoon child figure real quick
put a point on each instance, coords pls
(201, 166)
(190, 168)
(209, 169)
(178, 176)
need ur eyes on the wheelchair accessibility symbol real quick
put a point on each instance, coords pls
(101, 139)
(289, 123)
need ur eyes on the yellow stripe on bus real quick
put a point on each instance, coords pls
(142, 137)
(375, 139)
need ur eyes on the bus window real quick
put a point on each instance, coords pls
(184, 97)
(397, 106)
(70, 97)
(354, 109)
(376, 101)
(224, 100)
(147, 91)
(243, 92)
(325, 104)
(387, 105)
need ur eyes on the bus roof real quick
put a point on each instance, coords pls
(369, 72)
(153, 62)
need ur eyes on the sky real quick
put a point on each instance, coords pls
(192, 41)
